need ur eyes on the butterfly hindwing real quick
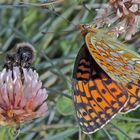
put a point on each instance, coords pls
(133, 89)
(97, 98)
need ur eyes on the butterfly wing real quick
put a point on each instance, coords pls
(97, 98)
(133, 90)
(132, 104)
(120, 64)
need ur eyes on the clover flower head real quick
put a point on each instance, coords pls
(22, 97)
(125, 14)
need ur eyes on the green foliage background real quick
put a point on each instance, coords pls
(52, 32)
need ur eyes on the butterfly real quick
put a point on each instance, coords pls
(105, 79)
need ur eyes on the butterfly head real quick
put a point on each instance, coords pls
(86, 28)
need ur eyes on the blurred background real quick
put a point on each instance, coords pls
(51, 30)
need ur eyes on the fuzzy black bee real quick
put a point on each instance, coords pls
(22, 55)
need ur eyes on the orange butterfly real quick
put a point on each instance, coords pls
(106, 79)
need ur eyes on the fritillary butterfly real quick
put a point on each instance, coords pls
(106, 79)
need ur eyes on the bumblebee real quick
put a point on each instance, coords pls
(22, 55)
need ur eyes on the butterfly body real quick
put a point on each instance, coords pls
(106, 79)
(103, 46)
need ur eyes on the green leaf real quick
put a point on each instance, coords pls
(65, 106)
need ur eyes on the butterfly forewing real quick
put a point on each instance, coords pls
(120, 64)
(97, 98)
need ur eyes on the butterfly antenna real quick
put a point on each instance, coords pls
(89, 10)
(42, 4)
(53, 11)
(66, 31)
